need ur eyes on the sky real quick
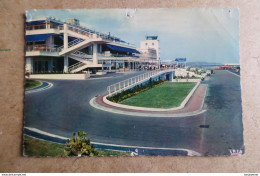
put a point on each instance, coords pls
(198, 34)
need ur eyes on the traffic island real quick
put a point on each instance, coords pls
(191, 105)
(166, 96)
(37, 86)
(30, 84)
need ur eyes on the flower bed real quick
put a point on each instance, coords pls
(135, 90)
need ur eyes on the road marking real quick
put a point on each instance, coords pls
(40, 89)
(45, 133)
(190, 152)
(35, 87)
(233, 73)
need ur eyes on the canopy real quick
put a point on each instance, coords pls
(38, 37)
(122, 49)
(35, 22)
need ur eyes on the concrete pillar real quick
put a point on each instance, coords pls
(66, 64)
(29, 65)
(129, 64)
(95, 48)
(171, 77)
(65, 36)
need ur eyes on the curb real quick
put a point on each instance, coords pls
(145, 114)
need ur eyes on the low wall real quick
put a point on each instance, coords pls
(185, 80)
(101, 73)
(61, 76)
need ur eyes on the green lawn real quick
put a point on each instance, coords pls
(31, 84)
(36, 147)
(167, 95)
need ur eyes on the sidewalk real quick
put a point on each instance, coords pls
(194, 105)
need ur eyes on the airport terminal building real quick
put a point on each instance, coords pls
(54, 46)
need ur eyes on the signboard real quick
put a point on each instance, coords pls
(180, 59)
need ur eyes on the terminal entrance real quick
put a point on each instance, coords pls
(40, 66)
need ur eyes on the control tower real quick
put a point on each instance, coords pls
(151, 42)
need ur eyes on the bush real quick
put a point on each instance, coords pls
(79, 145)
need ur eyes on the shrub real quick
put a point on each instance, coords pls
(79, 145)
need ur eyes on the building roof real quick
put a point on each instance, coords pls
(154, 37)
(122, 49)
(59, 22)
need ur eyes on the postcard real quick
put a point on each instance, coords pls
(130, 82)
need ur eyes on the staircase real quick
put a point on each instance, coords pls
(84, 59)
(76, 45)
(85, 39)
(81, 57)
(77, 67)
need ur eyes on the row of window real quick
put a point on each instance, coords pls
(147, 44)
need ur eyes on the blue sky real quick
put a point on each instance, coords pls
(199, 34)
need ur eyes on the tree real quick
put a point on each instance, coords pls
(27, 75)
(79, 145)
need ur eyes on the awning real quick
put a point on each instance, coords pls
(38, 37)
(35, 22)
(122, 49)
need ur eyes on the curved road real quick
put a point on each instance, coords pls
(64, 109)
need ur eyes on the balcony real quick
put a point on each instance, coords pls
(31, 30)
(110, 56)
(41, 50)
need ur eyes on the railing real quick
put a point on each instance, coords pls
(81, 55)
(130, 82)
(70, 44)
(42, 47)
(75, 66)
(90, 33)
(85, 32)
(115, 55)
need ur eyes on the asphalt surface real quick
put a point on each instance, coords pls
(64, 109)
(234, 71)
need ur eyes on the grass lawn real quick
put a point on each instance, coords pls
(167, 95)
(36, 147)
(31, 84)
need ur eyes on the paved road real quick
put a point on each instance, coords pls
(65, 109)
(234, 71)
